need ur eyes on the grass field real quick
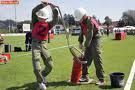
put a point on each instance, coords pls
(118, 56)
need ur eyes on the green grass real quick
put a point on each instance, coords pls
(18, 73)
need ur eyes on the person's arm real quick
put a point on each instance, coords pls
(89, 34)
(34, 18)
(80, 39)
(55, 15)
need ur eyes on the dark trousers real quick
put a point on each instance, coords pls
(28, 44)
(93, 53)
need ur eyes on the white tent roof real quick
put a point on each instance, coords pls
(124, 28)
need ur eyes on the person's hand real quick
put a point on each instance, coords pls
(44, 1)
(67, 30)
(81, 46)
(48, 3)
(52, 5)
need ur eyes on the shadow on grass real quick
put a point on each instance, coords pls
(2, 64)
(115, 39)
(107, 87)
(60, 83)
(33, 85)
(29, 86)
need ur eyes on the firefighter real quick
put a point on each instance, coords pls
(42, 22)
(91, 46)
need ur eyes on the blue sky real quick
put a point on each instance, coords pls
(99, 8)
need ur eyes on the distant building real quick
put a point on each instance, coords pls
(58, 29)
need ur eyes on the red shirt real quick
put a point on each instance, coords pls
(40, 30)
(85, 27)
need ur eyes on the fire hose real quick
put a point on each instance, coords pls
(72, 49)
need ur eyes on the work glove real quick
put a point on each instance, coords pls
(48, 3)
(67, 30)
(52, 5)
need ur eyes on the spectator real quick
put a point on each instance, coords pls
(28, 40)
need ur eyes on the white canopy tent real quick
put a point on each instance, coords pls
(126, 28)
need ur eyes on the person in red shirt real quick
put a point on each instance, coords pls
(42, 20)
(91, 46)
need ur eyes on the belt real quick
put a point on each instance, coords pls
(44, 41)
(41, 41)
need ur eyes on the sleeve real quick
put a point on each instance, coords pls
(34, 18)
(55, 16)
(80, 39)
(89, 33)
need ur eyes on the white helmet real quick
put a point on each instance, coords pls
(79, 13)
(45, 13)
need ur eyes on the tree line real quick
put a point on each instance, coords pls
(128, 18)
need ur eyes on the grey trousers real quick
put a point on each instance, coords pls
(39, 50)
(93, 53)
